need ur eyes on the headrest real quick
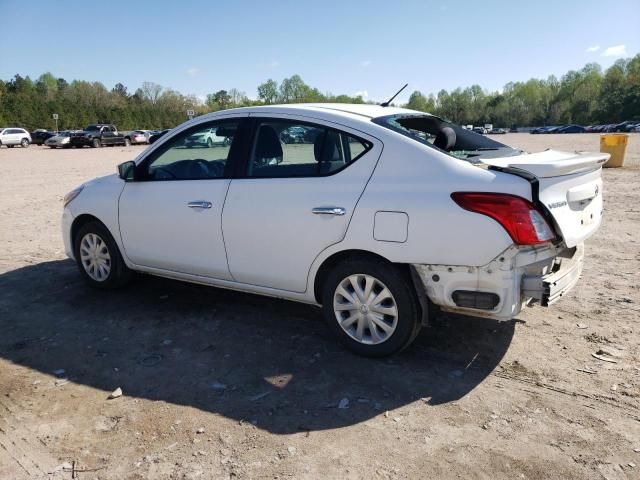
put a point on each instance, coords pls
(325, 147)
(445, 139)
(268, 144)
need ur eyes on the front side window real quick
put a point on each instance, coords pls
(283, 148)
(197, 154)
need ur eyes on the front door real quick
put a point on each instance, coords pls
(170, 217)
(299, 189)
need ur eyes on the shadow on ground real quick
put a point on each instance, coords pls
(246, 357)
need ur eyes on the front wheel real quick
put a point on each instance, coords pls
(127, 142)
(371, 306)
(98, 257)
(95, 143)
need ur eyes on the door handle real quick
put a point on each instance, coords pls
(199, 204)
(328, 211)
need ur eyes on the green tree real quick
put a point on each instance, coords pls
(268, 91)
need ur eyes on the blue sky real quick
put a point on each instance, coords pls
(342, 46)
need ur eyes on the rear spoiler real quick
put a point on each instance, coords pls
(550, 163)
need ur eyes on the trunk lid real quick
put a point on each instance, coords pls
(569, 186)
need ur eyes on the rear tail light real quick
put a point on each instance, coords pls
(518, 216)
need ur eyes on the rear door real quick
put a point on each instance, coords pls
(294, 198)
(170, 217)
(108, 135)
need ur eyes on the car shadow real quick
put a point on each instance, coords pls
(249, 358)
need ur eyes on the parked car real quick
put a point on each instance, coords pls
(625, 126)
(498, 131)
(480, 130)
(571, 129)
(99, 135)
(61, 140)
(293, 135)
(155, 135)
(546, 129)
(346, 221)
(207, 138)
(14, 136)
(39, 136)
(137, 137)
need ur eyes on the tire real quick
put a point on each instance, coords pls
(401, 298)
(94, 239)
(209, 142)
(95, 143)
(52, 147)
(10, 146)
(127, 142)
(24, 143)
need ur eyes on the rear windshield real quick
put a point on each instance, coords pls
(446, 136)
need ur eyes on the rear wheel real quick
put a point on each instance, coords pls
(24, 143)
(127, 142)
(98, 257)
(371, 306)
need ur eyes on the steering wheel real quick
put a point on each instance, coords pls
(198, 168)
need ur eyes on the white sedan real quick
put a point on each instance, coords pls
(376, 213)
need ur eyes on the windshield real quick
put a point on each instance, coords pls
(446, 136)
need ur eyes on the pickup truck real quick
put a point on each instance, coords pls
(99, 135)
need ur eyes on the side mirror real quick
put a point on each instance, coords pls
(127, 170)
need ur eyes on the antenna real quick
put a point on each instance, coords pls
(388, 102)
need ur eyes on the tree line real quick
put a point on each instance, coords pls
(585, 96)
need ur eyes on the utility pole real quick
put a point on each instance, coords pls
(55, 117)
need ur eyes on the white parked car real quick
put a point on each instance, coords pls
(137, 137)
(377, 214)
(207, 137)
(14, 136)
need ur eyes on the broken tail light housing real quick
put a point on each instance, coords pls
(524, 223)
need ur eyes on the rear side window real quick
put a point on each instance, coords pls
(284, 148)
(446, 136)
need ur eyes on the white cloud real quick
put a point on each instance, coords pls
(362, 93)
(274, 64)
(616, 51)
(193, 71)
(365, 63)
(595, 48)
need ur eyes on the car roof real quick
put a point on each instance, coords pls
(337, 112)
(363, 110)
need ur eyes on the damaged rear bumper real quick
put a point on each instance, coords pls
(499, 290)
(549, 288)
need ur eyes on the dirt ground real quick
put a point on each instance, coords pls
(220, 384)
